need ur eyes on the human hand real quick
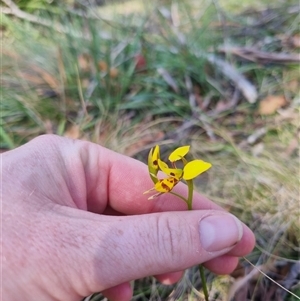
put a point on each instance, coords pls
(75, 221)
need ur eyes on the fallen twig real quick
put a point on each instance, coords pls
(256, 135)
(168, 79)
(254, 55)
(248, 90)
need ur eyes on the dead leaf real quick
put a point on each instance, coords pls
(113, 72)
(84, 62)
(271, 104)
(140, 62)
(102, 65)
(73, 132)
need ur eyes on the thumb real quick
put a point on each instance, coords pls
(120, 249)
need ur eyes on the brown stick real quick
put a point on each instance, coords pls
(262, 57)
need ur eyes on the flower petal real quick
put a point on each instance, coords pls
(195, 168)
(172, 172)
(153, 163)
(162, 165)
(156, 152)
(165, 185)
(178, 153)
(155, 156)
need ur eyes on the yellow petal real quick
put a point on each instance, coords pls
(172, 172)
(155, 156)
(156, 152)
(195, 168)
(153, 163)
(178, 153)
(162, 165)
(165, 185)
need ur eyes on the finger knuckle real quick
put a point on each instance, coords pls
(170, 239)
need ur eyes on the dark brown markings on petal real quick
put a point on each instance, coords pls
(172, 174)
(165, 186)
(155, 162)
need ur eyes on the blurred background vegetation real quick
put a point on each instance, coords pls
(222, 76)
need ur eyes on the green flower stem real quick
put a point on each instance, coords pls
(203, 281)
(179, 196)
(190, 185)
(189, 202)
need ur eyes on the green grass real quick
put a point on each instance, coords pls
(78, 78)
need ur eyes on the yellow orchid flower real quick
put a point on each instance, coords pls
(190, 170)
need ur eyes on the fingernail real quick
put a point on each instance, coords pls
(219, 232)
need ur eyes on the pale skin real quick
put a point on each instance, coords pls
(75, 221)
